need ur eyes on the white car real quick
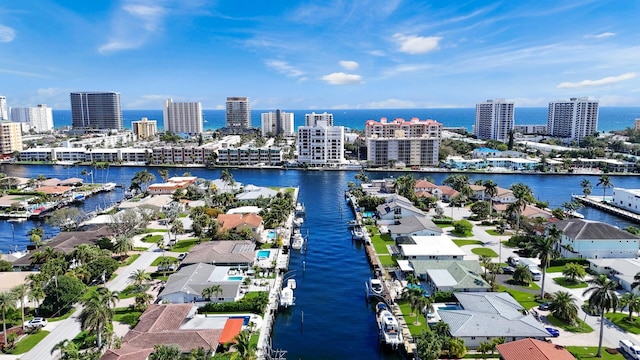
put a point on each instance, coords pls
(182, 256)
(36, 323)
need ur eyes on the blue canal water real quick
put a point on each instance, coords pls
(338, 323)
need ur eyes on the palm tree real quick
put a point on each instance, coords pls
(213, 290)
(142, 301)
(412, 279)
(165, 352)
(164, 174)
(143, 177)
(490, 189)
(68, 350)
(123, 245)
(411, 295)
(244, 349)
(574, 272)
(544, 247)
(632, 302)
(21, 292)
(7, 301)
(586, 187)
(98, 312)
(524, 196)
(522, 275)
(139, 277)
(605, 182)
(442, 329)
(563, 306)
(226, 176)
(602, 296)
(494, 270)
(485, 260)
(636, 281)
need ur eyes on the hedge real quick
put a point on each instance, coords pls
(255, 305)
(563, 262)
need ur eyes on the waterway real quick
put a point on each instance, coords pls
(331, 318)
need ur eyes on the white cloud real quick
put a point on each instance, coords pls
(151, 16)
(603, 35)
(376, 53)
(412, 44)
(392, 104)
(349, 65)
(284, 68)
(604, 81)
(7, 34)
(340, 78)
(22, 73)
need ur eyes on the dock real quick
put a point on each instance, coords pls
(598, 204)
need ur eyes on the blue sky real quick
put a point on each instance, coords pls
(322, 54)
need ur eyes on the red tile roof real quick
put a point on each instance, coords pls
(232, 221)
(231, 329)
(532, 349)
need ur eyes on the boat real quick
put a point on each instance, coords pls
(298, 221)
(352, 223)
(357, 233)
(388, 327)
(300, 209)
(374, 287)
(575, 214)
(17, 219)
(286, 297)
(297, 241)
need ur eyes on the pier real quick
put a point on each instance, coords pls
(600, 205)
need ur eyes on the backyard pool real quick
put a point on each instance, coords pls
(450, 307)
(235, 278)
(271, 234)
(368, 214)
(264, 254)
(421, 286)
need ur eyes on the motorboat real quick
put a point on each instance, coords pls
(357, 233)
(374, 287)
(388, 327)
(575, 214)
(298, 221)
(286, 297)
(352, 223)
(300, 209)
(297, 241)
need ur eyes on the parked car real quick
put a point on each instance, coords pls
(182, 256)
(513, 260)
(508, 269)
(553, 332)
(170, 267)
(36, 323)
(544, 306)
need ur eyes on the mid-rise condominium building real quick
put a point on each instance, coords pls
(183, 117)
(573, 119)
(144, 128)
(313, 119)
(10, 137)
(96, 110)
(4, 113)
(494, 120)
(410, 143)
(39, 119)
(238, 114)
(277, 123)
(321, 145)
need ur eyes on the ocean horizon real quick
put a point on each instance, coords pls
(610, 118)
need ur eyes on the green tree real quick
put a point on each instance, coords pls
(211, 291)
(21, 293)
(563, 306)
(165, 352)
(462, 227)
(457, 348)
(139, 277)
(544, 248)
(97, 313)
(522, 275)
(485, 260)
(5, 266)
(7, 301)
(429, 345)
(142, 301)
(605, 182)
(61, 292)
(68, 350)
(143, 177)
(494, 270)
(631, 301)
(164, 174)
(245, 350)
(523, 196)
(574, 272)
(123, 245)
(602, 296)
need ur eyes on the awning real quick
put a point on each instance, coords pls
(231, 329)
(405, 266)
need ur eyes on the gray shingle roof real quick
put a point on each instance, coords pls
(467, 273)
(580, 229)
(222, 252)
(195, 278)
(413, 224)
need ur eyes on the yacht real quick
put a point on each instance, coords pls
(300, 209)
(298, 221)
(286, 297)
(357, 233)
(352, 223)
(297, 241)
(374, 287)
(388, 327)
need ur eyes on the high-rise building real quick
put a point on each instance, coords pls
(321, 145)
(277, 123)
(238, 113)
(573, 119)
(637, 124)
(10, 137)
(313, 119)
(144, 128)
(96, 110)
(494, 120)
(412, 143)
(183, 117)
(39, 119)
(4, 113)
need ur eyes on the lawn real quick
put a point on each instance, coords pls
(29, 342)
(155, 230)
(584, 352)
(621, 319)
(467, 242)
(525, 299)
(562, 282)
(130, 259)
(582, 327)
(388, 261)
(532, 285)
(126, 315)
(415, 330)
(493, 232)
(509, 244)
(466, 234)
(184, 245)
(69, 313)
(157, 261)
(152, 239)
(444, 225)
(484, 251)
(380, 243)
(555, 269)
(131, 291)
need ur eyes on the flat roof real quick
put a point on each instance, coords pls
(432, 246)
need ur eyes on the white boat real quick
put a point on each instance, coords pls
(17, 219)
(352, 223)
(575, 214)
(298, 221)
(374, 287)
(388, 327)
(297, 241)
(357, 233)
(300, 209)
(286, 297)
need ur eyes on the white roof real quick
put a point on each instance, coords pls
(404, 265)
(442, 278)
(245, 210)
(621, 266)
(431, 246)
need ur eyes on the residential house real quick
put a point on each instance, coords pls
(156, 202)
(447, 192)
(503, 196)
(488, 316)
(435, 247)
(621, 270)
(187, 284)
(222, 186)
(595, 240)
(239, 222)
(252, 192)
(414, 226)
(451, 275)
(397, 207)
(477, 192)
(165, 324)
(532, 349)
(239, 254)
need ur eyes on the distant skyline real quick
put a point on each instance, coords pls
(360, 54)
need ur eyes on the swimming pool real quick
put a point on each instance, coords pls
(263, 254)
(235, 278)
(450, 307)
(421, 286)
(271, 234)
(368, 214)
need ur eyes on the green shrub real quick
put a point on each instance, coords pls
(253, 304)
(563, 262)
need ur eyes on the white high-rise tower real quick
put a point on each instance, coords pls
(573, 119)
(494, 120)
(183, 117)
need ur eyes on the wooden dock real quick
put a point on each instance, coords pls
(608, 208)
